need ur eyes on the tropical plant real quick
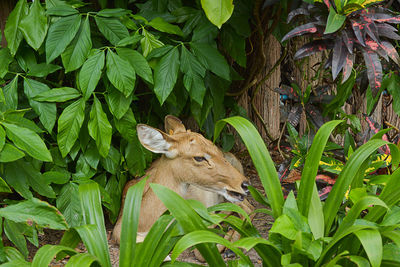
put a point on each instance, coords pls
(347, 27)
(76, 80)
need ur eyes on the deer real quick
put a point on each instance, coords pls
(190, 165)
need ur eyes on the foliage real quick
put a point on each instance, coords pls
(75, 81)
(347, 27)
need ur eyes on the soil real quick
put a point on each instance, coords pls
(261, 221)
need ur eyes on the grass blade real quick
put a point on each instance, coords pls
(311, 166)
(261, 158)
(130, 222)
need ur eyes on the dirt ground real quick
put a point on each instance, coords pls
(261, 221)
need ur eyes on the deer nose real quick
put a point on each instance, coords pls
(245, 187)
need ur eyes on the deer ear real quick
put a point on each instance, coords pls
(173, 125)
(156, 141)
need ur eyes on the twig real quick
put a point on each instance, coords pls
(283, 155)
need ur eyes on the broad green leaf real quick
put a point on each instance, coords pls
(316, 215)
(120, 73)
(335, 21)
(61, 11)
(42, 69)
(100, 128)
(90, 73)
(34, 25)
(117, 102)
(194, 76)
(2, 137)
(61, 94)
(47, 111)
(235, 45)
(115, 12)
(204, 236)
(11, 31)
(46, 254)
(149, 42)
(160, 24)
(130, 222)
(93, 215)
(28, 141)
(261, 158)
(112, 162)
(5, 60)
(217, 11)
(138, 62)
(392, 89)
(345, 178)
(11, 94)
(212, 59)
(60, 35)
(18, 182)
(69, 204)
(230, 207)
(10, 153)
(311, 166)
(4, 188)
(35, 211)
(371, 240)
(166, 74)
(69, 125)
(112, 29)
(130, 40)
(14, 233)
(85, 259)
(56, 177)
(78, 50)
(19, 120)
(188, 219)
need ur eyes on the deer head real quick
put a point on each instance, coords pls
(193, 160)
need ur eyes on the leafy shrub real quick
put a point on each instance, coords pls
(75, 81)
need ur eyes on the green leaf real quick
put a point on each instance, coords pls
(19, 120)
(56, 177)
(204, 236)
(93, 215)
(11, 31)
(120, 73)
(4, 188)
(117, 102)
(60, 35)
(130, 40)
(34, 25)
(394, 83)
(100, 128)
(90, 73)
(112, 162)
(28, 141)
(2, 137)
(149, 42)
(335, 21)
(20, 183)
(61, 94)
(82, 260)
(115, 12)
(11, 94)
(138, 62)
(311, 165)
(47, 253)
(35, 211)
(130, 222)
(261, 158)
(42, 69)
(69, 125)
(371, 240)
(14, 233)
(217, 11)
(5, 60)
(166, 74)
(61, 11)
(160, 24)
(211, 59)
(112, 29)
(10, 153)
(194, 76)
(47, 111)
(78, 50)
(69, 204)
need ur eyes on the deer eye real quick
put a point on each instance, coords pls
(199, 159)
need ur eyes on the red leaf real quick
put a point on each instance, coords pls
(339, 57)
(395, 20)
(374, 70)
(312, 48)
(387, 31)
(296, 12)
(376, 47)
(357, 27)
(348, 67)
(327, 3)
(303, 29)
(349, 42)
(371, 29)
(390, 51)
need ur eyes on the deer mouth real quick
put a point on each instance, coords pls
(234, 196)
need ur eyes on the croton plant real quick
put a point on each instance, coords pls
(349, 27)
